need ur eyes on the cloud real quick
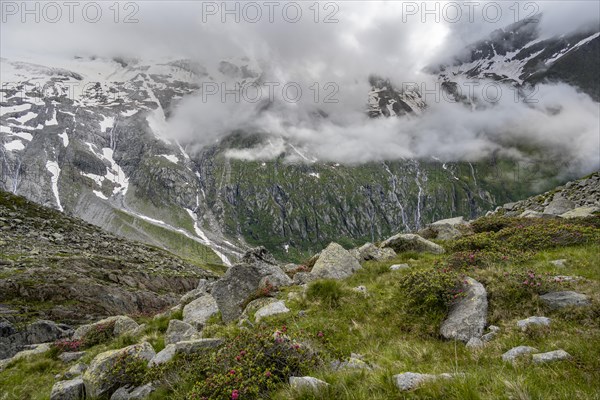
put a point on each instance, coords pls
(370, 37)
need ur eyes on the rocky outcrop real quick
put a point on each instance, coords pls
(136, 393)
(335, 262)
(243, 280)
(578, 198)
(468, 315)
(404, 242)
(38, 332)
(185, 347)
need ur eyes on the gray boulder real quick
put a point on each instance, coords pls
(467, 317)
(556, 300)
(191, 296)
(45, 331)
(71, 356)
(200, 310)
(412, 380)
(163, 356)
(75, 371)
(399, 267)
(244, 280)
(307, 384)
(99, 378)
(559, 205)
(524, 324)
(475, 343)
(275, 308)
(122, 325)
(580, 212)
(515, 352)
(447, 229)
(369, 251)
(68, 390)
(335, 262)
(179, 331)
(551, 356)
(403, 242)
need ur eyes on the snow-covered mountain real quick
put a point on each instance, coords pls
(89, 136)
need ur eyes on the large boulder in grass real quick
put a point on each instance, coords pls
(256, 272)
(446, 229)
(179, 331)
(200, 310)
(101, 377)
(335, 262)
(468, 315)
(369, 251)
(68, 390)
(404, 242)
(556, 300)
(121, 324)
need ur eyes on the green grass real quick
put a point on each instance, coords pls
(395, 336)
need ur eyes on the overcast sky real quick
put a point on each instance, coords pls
(393, 39)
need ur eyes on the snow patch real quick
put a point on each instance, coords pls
(15, 145)
(54, 169)
(171, 158)
(14, 109)
(100, 194)
(65, 138)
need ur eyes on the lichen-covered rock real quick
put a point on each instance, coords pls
(99, 378)
(179, 331)
(197, 345)
(447, 229)
(335, 262)
(556, 300)
(122, 325)
(244, 280)
(468, 315)
(369, 251)
(200, 310)
(275, 308)
(68, 390)
(412, 380)
(71, 356)
(524, 324)
(580, 212)
(307, 383)
(551, 356)
(512, 354)
(404, 242)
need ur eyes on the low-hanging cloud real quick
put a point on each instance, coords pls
(370, 38)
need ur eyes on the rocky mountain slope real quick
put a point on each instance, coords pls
(57, 267)
(518, 55)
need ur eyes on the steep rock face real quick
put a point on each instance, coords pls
(295, 209)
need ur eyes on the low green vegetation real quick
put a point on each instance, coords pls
(395, 327)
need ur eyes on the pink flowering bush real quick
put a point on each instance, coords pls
(250, 364)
